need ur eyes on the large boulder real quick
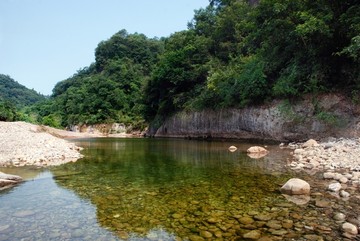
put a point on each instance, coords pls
(7, 180)
(296, 186)
(257, 149)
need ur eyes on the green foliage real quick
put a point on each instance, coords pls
(235, 53)
(17, 94)
(109, 90)
(8, 111)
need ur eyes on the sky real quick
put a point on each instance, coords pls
(43, 42)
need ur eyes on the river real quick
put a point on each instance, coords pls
(159, 189)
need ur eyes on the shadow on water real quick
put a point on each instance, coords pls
(182, 187)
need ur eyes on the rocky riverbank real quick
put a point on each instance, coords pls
(23, 144)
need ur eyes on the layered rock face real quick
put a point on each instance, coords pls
(323, 116)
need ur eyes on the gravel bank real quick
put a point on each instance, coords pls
(24, 144)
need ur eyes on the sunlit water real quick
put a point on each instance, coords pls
(144, 189)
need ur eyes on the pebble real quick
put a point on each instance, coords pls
(322, 204)
(254, 234)
(349, 228)
(344, 194)
(334, 187)
(23, 213)
(339, 217)
(262, 217)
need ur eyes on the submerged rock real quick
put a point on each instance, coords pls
(254, 234)
(296, 186)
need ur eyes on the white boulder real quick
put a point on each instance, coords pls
(296, 186)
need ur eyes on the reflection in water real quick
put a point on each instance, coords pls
(183, 187)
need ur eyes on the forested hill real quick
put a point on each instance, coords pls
(232, 55)
(17, 94)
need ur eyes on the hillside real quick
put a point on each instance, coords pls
(17, 94)
(233, 55)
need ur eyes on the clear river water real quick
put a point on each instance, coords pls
(155, 189)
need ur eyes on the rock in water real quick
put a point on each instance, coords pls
(7, 180)
(232, 148)
(296, 186)
(254, 235)
(257, 149)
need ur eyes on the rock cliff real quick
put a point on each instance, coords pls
(311, 117)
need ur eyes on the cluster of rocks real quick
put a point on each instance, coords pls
(24, 144)
(339, 162)
(333, 154)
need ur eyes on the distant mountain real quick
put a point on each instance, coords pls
(17, 94)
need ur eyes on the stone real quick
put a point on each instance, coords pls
(343, 179)
(8, 180)
(280, 232)
(274, 224)
(205, 234)
(349, 228)
(299, 151)
(257, 149)
(196, 238)
(344, 194)
(322, 203)
(339, 217)
(310, 143)
(298, 199)
(257, 155)
(23, 213)
(313, 237)
(246, 220)
(288, 223)
(254, 234)
(232, 148)
(262, 217)
(296, 186)
(329, 175)
(334, 187)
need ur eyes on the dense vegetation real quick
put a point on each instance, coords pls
(13, 97)
(234, 53)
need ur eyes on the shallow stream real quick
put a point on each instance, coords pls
(160, 189)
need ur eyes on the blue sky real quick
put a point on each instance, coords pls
(45, 41)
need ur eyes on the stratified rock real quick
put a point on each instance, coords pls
(257, 149)
(296, 186)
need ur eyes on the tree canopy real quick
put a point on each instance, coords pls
(234, 53)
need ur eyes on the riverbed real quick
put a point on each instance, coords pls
(167, 189)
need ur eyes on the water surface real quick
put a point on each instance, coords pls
(147, 189)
